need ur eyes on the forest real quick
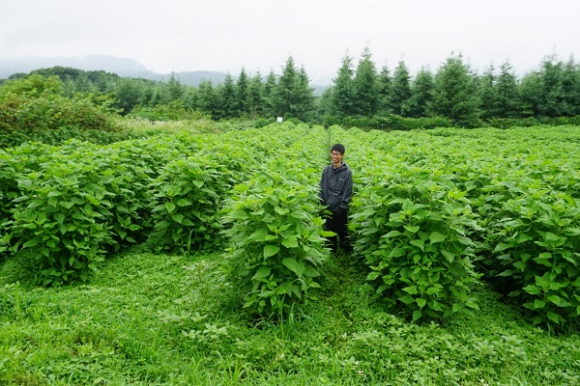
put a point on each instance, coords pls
(361, 94)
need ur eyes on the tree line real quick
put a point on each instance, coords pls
(359, 90)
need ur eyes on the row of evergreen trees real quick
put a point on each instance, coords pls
(455, 91)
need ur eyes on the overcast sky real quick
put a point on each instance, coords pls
(226, 35)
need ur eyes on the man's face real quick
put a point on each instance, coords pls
(336, 158)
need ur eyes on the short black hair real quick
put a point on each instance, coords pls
(338, 147)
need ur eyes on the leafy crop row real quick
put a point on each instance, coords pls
(504, 205)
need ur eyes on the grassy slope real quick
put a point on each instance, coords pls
(154, 320)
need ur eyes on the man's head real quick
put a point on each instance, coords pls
(338, 147)
(336, 155)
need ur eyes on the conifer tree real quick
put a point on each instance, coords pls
(242, 94)
(227, 98)
(292, 95)
(366, 86)
(268, 95)
(454, 93)
(508, 98)
(401, 91)
(206, 97)
(551, 99)
(488, 93)
(175, 89)
(343, 92)
(422, 88)
(571, 85)
(385, 87)
(255, 96)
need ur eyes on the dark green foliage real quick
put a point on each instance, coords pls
(34, 107)
(535, 240)
(413, 230)
(389, 122)
(422, 88)
(188, 194)
(344, 92)
(276, 243)
(366, 86)
(401, 93)
(292, 95)
(454, 93)
(172, 111)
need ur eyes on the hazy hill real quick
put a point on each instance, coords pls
(121, 66)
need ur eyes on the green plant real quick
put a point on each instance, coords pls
(277, 249)
(413, 230)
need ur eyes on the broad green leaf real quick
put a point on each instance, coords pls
(270, 250)
(421, 302)
(262, 272)
(450, 256)
(183, 202)
(417, 314)
(532, 289)
(557, 300)
(412, 229)
(169, 206)
(290, 242)
(295, 266)
(436, 237)
(407, 299)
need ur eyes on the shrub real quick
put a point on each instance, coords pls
(413, 229)
(535, 242)
(276, 244)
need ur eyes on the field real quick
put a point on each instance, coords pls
(199, 259)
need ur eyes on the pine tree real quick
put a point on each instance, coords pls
(366, 87)
(206, 97)
(175, 89)
(401, 91)
(343, 92)
(242, 94)
(304, 96)
(422, 89)
(268, 95)
(488, 93)
(292, 94)
(529, 91)
(385, 88)
(508, 98)
(454, 93)
(571, 85)
(255, 96)
(227, 98)
(552, 101)
(283, 96)
(128, 94)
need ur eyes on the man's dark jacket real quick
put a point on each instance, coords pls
(336, 187)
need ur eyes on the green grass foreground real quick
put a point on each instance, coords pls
(151, 319)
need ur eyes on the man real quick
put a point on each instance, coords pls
(335, 193)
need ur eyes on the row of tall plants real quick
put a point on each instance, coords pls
(437, 212)
(434, 213)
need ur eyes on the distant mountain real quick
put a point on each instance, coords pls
(129, 68)
(124, 67)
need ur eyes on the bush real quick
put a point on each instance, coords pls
(172, 111)
(535, 260)
(276, 244)
(33, 107)
(186, 198)
(413, 229)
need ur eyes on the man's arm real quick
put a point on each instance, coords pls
(347, 192)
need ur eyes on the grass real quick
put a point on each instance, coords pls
(149, 319)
